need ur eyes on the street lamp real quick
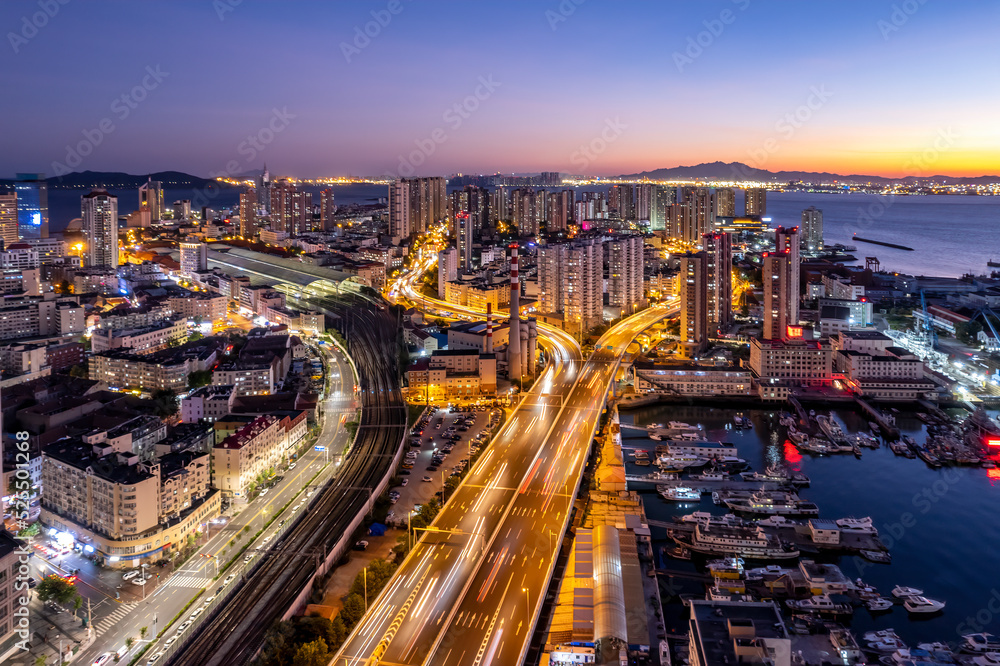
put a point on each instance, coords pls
(527, 605)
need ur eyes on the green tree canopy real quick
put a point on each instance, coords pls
(56, 588)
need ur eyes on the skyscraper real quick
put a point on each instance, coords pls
(100, 224)
(248, 213)
(571, 282)
(151, 199)
(625, 274)
(776, 275)
(661, 199)
(560, 210)
(719, 272)
(194, 257)
(525, 212)
(32, 205)
(705, 210)
(725, 198)
(694, 303)
(681, 222)
(8, 219)
(787, 240)
(264, 190)
(812, 229)
(644, 193)
(755, 202)
(327, 209)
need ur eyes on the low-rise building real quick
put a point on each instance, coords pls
(244, 459)
(454, 373)
(474, 334)
(100, 492)
(25, 316)
(682, 378)
(207, 403)
(737, 632)
(164, 370)
(802, 362)
(145, 340)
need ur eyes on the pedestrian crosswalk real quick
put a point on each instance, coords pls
(188, 581)
(111, 620)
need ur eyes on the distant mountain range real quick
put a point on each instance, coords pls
(740, 171)
(172, 180)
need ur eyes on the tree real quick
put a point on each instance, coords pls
(56, 588)
(353, 610)
(199, 378)
(64, 288)
(312, 654)
(129, 642)
(143, 631)
(77, 602)
(966, 331)
(195, 335)
(78, 371)
(164, 403)
(40, 660)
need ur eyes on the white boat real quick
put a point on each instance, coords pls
(770, 570)
(734, 541)
(776, 521)
(936, 646)
(697, 517)
(920, 604)
(704, 518)
(766, 503)
(715, 594)
(821, 603)
(900, 592)
(981, 643)
(796, 436)
(986, 659)
(680, 463)
(730, 567)
(864, 525)
(681, 494)
(882, 634)
(878, 604)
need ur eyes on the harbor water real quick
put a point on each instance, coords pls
(939, 524)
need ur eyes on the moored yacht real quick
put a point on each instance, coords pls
(680, 494)
(901, 592)
(922, 605)
(821, 603)
(980, 643)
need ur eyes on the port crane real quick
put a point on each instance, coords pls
(928, 326)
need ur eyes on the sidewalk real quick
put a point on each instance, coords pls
(50, 628)
(343, 576)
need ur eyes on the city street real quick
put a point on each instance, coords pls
(115, 620)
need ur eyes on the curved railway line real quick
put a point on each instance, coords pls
(236, 633)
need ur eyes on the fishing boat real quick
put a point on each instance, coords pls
(923, 605)
(680, 494)
(730, 568)
(901, 592)
(710, 476)
(797, 437)
(777, 474)
(876, 556)
(980, 643)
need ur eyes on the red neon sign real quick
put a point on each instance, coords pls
(794, 331)
(993, 441)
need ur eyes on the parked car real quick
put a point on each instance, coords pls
(404, 482)
(361, 545)
(427, 479)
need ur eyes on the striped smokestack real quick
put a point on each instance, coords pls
(514, 345)
(489, 328)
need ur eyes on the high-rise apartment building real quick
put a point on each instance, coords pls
(705, 209)
(151, 199)
(463, 240)
(571, 282)
(526, 212)
(248, 213)
(100, 225)
(694, 303)
(787, 240)
(560, 210)
(725, 198)
(194, 257)
(755, 202)
(32, 205)
(644, 193)
(447, 269)
(8, 219)
(416, 204)
(661, 198)
(776, 274)
(681, 222)
(625, 273)
(622, 200)
(812, 229)
(327, 209)
(499, 205)
(291, 208)
(719, 269)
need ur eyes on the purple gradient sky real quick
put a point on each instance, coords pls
(903, 96)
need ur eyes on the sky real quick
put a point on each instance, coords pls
(419, 87)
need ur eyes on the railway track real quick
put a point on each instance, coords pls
(266, 591)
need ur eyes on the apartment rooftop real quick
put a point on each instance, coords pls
(243, 436)
(112, 467)
(718, 628)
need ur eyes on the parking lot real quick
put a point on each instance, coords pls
(441, 445)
